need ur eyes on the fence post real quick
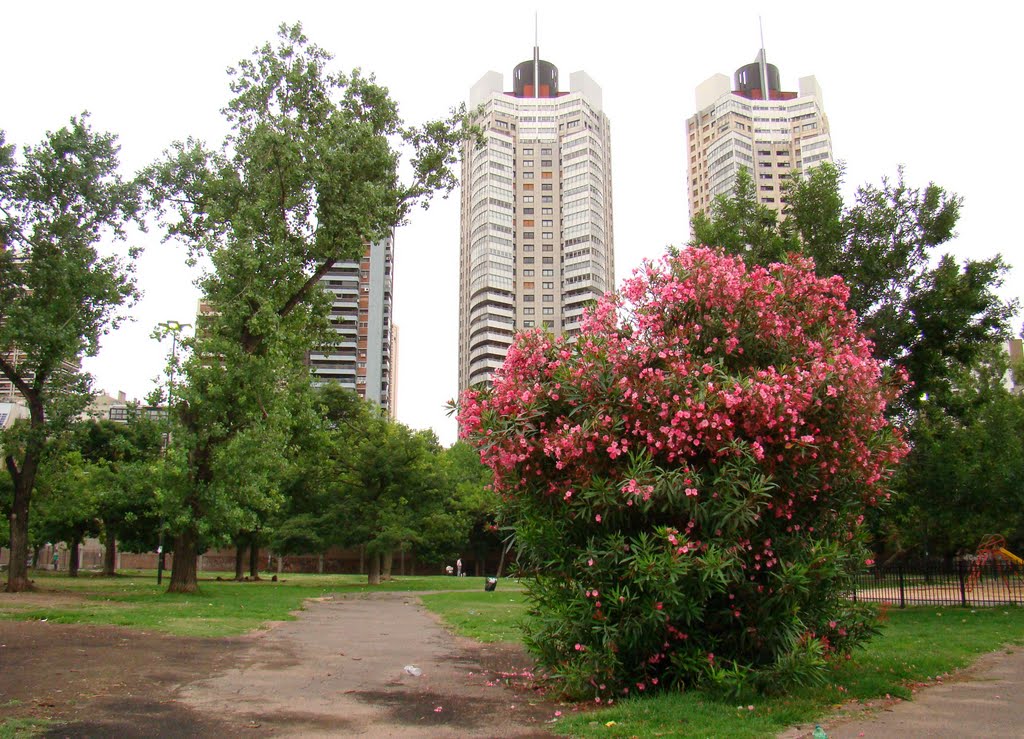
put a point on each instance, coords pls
(963, 586)
(899, 572)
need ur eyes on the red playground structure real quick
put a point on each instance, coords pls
(993, 552)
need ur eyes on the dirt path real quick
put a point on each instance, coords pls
(983, 700)
(336, 671)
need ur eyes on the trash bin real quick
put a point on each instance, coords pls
(491, 584)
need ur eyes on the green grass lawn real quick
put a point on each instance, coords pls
(487, 617)
(221, 608)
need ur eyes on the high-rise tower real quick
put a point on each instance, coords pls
(360, 357)
(771, 133)
(536, 241)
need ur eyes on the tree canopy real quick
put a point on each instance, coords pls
(58, 295)
(309, 175)
(922, 310)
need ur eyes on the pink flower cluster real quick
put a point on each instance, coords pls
(699, 359)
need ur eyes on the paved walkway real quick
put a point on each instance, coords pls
(339, 671)
(986, 700)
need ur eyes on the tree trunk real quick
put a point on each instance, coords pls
(73, 554)
(17, 570)
(183, 563)
(24, 480)
(320, 564)
(388, 562)
(35, 557)
(280, 564)
(110, 555)
(254, 558)
(239, 561)
(373, 577)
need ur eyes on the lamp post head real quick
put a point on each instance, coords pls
(174, 326)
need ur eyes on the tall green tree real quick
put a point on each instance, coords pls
(58, 201)
(922, 309)
(122, 457)
(470, 482)
(307, 176)
(66, 503)
(964, 478)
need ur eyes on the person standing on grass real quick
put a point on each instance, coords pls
(56, 558)
(458, 567)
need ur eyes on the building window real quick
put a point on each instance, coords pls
(547, 211)
(527, 211)
(527, 285)
(549, 260)
(545, 152)
(546, 186)
(529, 311)
(543, 235)
(527, 247)
(549, 247)
(547, 224)
(527, 175)
(549, 286)
(548, 272)
(527, 260)
(528, 298)
(527, 324)
(549, 298)
(527, 162)
(527, 273)
(545, 175)
(527, 198)
(549, 311)
(528, 222)
(528, 152)
(547, 199)
(528, 186)
(527, 234)
(545, 162)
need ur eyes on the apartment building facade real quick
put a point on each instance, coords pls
(536, 230)
(360, 358)
(752, 122)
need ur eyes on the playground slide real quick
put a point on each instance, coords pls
(1011, 556)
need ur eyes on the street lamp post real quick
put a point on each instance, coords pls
(174, 328)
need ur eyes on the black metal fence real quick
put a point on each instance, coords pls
(959, 582)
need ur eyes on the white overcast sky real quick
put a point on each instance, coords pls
(931, 86)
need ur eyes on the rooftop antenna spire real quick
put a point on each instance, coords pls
(536, 58)
(765, 92)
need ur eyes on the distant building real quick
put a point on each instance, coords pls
(1014, 380)
(771, 133)
(361, 356)
(8, 392)
(536, 241)
(11, 412)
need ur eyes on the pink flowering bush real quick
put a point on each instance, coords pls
(687, 480)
